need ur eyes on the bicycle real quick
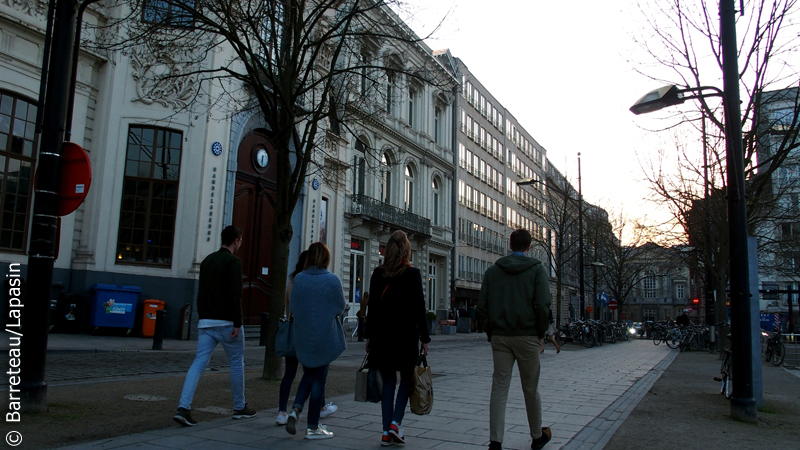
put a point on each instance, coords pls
(775, 351)
(726, 383)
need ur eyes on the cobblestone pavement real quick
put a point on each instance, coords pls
(586, 395)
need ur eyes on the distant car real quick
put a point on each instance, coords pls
(637, 329)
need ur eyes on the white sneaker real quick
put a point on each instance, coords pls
(327, 410)
(282, 418)
(291, 422)
(321, 432)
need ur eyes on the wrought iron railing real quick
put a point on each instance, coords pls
(383, 212)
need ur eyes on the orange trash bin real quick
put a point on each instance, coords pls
(149, 316)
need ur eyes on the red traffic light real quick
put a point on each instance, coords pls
(696, 301)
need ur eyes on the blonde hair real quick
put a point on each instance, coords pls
(398, 254)
(318, 256)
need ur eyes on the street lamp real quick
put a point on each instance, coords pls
(743, 404)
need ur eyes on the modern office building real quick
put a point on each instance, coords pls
(494, 153)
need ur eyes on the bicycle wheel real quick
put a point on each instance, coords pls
(588, 340)
(657, 337)
(673, 341)
(768, 353)
(613, 338)
(780, 353)
(723, 384)
(562, 338)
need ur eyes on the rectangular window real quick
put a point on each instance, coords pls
(411, 100)
(390, 93)
(17, 146)
(436, 126)
(680, 291)
(323, 221)
(461, 268)
(149, 196)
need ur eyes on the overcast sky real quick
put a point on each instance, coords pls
(560, 68)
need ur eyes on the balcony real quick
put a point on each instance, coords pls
(378, 211)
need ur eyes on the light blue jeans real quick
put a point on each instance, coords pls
(207, 340)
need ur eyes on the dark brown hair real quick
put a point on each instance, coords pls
(318, 256)
(398, 254)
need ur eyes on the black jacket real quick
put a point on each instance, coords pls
(220, 294)
(396, 322)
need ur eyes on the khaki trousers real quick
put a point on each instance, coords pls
(525, 351)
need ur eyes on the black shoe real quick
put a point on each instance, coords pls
(245, 413)
(538, 444)
(494, 445)
(184, 417)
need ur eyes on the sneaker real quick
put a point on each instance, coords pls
(386, 440)
(282, 418)
(291, 423)
(538, 444)
(244, 413)
(396, 433)
(319, 433)
(184, 417)
(494, 445)
(327, 410)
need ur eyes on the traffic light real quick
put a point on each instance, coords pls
(696, 301)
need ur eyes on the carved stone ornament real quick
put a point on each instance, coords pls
(33, 8)
(160, 78)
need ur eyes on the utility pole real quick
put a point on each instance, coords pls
(41, 253)
(580, 242)
(743, 403)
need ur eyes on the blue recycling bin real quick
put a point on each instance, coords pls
(113, 305)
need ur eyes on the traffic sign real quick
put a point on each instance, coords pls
(589, 309)
(612, 305)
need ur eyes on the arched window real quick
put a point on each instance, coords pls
(408, 195)
(359, 167)
(435, 188)
(385, 179)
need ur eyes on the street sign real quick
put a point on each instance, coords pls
(589, 309)
(612, 305)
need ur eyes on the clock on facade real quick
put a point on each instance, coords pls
(216, 148)
(262, 158)
(315, 184)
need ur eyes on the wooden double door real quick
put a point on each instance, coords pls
(254, 213)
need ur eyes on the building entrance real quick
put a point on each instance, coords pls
(254, 213)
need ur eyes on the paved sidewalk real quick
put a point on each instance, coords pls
(586, 395)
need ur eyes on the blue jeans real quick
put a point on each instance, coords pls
(312, 384)
(207, 340)
(394, 410)
(289, 372)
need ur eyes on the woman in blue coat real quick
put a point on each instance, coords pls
(396, 325)
(317, 304)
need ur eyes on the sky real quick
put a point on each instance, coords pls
(561, 69)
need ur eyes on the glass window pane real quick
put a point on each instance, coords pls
(5, 123)
(21, 111)
(6, 103)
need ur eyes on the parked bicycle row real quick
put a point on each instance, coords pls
(589, 333)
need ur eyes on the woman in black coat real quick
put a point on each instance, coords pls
(396, 325)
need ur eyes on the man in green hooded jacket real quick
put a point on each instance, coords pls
(512, 307)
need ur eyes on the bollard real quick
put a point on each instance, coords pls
(158, 334)
(262, 339)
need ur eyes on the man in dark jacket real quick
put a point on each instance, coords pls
(219, 305)
(512, 307)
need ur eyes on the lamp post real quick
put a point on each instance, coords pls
(580, 243)
(743, 404)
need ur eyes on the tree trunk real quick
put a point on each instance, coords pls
(282, 227)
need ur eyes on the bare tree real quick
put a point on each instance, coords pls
(627, 254)
(683, 39)
(308, 68)
(561, 222)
